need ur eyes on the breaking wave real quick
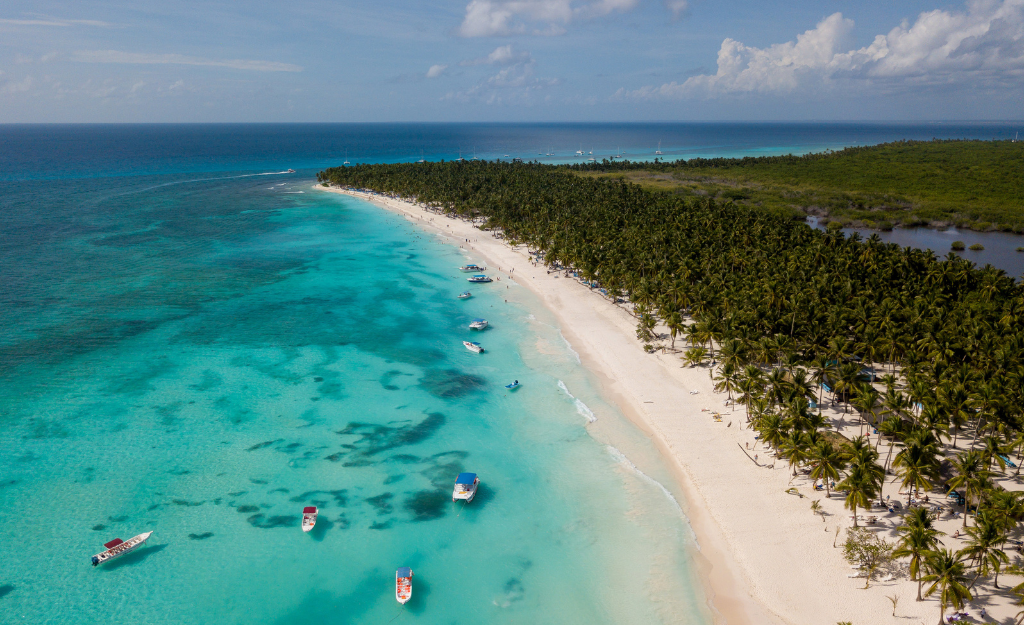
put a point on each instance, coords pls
(581, 408)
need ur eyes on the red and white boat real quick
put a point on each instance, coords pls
(118, 547)
(308, 518)
(403, 584)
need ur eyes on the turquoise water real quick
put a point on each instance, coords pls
(203, 358)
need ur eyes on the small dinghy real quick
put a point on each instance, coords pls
(403, 584)
(479, 278)
(465, 487)
(118, 547)
(473, 346)
(512, 386)
(465, 295)
(472, 268)
(309, 514)
(478, 324)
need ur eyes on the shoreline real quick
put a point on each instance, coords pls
(762, 556)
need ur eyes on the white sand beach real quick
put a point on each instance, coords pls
(765, 556)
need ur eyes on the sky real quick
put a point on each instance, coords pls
(510, 60)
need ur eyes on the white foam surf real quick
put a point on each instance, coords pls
(626, 462)
(581, 408)
(569, 345)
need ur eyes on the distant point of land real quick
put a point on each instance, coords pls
(977, 185)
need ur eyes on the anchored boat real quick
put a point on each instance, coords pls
(465, 487)
(471, 268)
(403, 584)
(478, 324)
(512, 386)
(479, 278)
(309, 514)
(473, 346)
(118, 547)
(465, 295)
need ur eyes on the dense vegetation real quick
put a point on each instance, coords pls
(970, 184)
(929, 350)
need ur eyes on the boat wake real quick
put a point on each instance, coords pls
(626, 462)
(581, 408)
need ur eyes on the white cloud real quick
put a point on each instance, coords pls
(488, 18)
(436, 70)
(138, 58)
(502, 55)
(10, 86)
(677, 7)
(983, 46)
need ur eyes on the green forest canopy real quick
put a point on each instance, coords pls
(972, 184)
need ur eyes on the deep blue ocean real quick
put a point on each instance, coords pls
(195, 343)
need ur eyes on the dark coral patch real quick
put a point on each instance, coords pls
(99, 528)
(374, 438)
(202, 536)
(263, 522)
(427, 505)
(451, 383)
(264, 444)
(245, 509)
(382, 526)
(256, 481)
(381, 502)
(5, 590)
(391, 479)
(340, 496)
(404, 458)
(185, 502)
(238, 493)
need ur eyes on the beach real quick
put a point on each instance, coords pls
(765, 557)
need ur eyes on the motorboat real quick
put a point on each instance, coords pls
(465, 295)
(403, 585)
(309, 514)
(471, 268)
(478, 324)
(473, 346)
(465, 487)
(512, 386)
(290, 171)
(118, 547)
(479, 278)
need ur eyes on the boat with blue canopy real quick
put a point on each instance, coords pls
(465, 487)
(512, 386)
(403, 584)
(465, 295)
(472, 268)
(479, 278)
(478, 324)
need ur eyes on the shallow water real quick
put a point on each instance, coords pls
(204, 358)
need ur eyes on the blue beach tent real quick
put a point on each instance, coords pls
(466, 478)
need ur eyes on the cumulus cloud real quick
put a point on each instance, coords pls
(436, 70)
(11, 86)
(982, 46)
(489, 18)
(502, 55)
(138, 58)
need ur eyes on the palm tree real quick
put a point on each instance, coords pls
(795, 448)
(727, 379)
(860, 487)
(826, 463)
(917, 463)
(984, 547)
(917, 540)
(971, 475)
(771, 430)
(867, 401)
(863, 457)
(946, 572)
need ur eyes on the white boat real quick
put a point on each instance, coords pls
(473, 346)
(465, 295)
(403, 585)
(470, 268)
(309, 514)
(479, 278)
(465, 487)
(658, 151)
(478, 324)
(118, 547)
(290, 171)
(592, 159)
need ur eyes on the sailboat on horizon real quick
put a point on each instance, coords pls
(658, 151)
